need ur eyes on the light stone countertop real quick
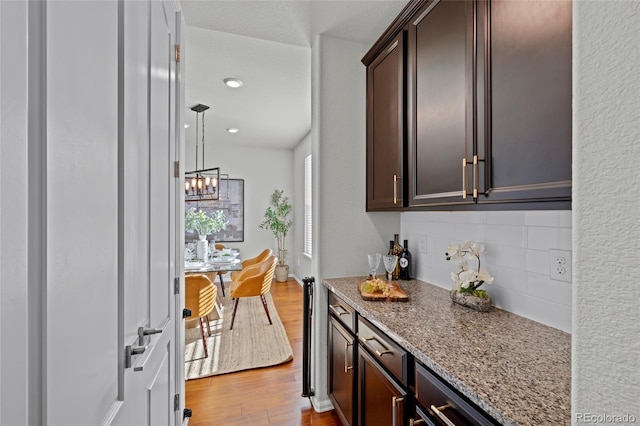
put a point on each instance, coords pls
(515, 369)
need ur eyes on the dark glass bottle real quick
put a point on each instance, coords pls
(397, 250)
(405, 262)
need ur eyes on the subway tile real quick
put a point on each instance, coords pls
(506, 218)
(543, 287)
(545, 238)
(504, 235)
(510, 257)
(551, 218)
(538, 261)
(510, 279)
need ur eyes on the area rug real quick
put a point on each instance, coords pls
(252, 343)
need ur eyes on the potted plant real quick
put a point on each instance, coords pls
(467, 281)
(276, 220)
(204, 224)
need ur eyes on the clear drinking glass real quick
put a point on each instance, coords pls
(374, 262)
(390, 261)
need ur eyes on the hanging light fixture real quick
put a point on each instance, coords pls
(201, 184)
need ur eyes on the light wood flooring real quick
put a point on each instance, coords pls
(266, 396)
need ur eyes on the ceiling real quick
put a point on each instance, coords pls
(266, 44)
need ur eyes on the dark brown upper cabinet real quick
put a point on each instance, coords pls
(487, 107)
(525, 101)
(441, 131)
(386, 128)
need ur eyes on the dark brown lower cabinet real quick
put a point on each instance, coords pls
(381, 399)
(442, 405)
(342, 384)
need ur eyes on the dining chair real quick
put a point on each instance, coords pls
(252, 281)
(253, 260)
(200, 297)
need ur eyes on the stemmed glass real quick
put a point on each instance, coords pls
(374, 262)
(188, 251)
(390, 261)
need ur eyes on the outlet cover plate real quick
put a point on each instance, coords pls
(560, 265)
(422, 244)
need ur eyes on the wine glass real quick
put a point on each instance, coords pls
(188, 251)
(374, 262)
(390, 261)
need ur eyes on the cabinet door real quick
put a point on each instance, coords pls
(441, 115)
(385, 128)
(527, 73)
(341, 372)
(380, 400)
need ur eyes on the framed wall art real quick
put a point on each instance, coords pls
(231, 202)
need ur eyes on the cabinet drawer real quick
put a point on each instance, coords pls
(383, 349)
(443, 405)
(342, 311)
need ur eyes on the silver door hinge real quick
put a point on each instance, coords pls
(176, 402)
(176, 285)
(176, 169)
(177, 51)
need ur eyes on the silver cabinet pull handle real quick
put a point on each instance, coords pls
(384, 352)
(475, 177)
(440, 414)
(334, 309)
(346, 357)
(464, 178)
(413, 422)
(394, 409)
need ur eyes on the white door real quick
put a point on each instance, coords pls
(111, 221)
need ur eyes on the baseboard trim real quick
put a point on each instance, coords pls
(320, 405)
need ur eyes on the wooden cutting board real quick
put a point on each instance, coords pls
(395, 295)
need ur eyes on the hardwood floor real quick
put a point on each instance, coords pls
(266, 396)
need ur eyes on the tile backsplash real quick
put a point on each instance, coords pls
(517, 245)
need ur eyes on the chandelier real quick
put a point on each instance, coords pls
(201, 184)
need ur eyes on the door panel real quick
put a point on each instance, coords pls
(110, 219)
(82, 306)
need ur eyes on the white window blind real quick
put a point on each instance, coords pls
(308, 222)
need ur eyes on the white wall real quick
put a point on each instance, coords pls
(516, 254)
(263, 171)
(14, 348)
(301, 265)
(606, 347)
(343, 231)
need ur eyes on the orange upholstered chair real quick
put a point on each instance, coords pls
(200, 297)
(255, 280)
(253, 260)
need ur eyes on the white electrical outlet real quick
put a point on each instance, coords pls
(422, 243)
(560, 265)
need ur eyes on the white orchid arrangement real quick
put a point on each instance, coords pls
(468, 280)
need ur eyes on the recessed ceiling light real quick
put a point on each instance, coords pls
(232, 82)
(233, 130)
(186, 125)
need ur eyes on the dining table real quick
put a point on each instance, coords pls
(216, 265)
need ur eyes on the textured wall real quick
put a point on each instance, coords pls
(606, 343)
(517, 255)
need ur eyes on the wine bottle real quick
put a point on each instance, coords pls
(397, 250)
(405, 262)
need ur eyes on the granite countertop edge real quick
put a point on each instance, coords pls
(361, 307)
